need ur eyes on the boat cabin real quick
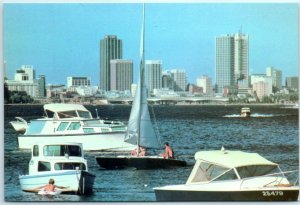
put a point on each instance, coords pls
(55, 157)
(245, 112)
(62, 111)
(222, 165)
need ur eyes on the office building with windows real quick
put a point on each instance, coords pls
(153, 74)
(179, 80)
(110, 48)
(276, 76)
(292, 82)
(121, 74)
(232, 63)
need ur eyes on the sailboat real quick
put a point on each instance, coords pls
(140, 130)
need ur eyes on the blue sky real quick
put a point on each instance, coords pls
(62, 40)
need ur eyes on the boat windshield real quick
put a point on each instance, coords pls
(62, 150)
(207, 172)
(84, 114)
(69, 166)
(67, 114)
(257, 170)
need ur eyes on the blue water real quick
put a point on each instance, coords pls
(272, 131)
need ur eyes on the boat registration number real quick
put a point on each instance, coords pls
(272, 193)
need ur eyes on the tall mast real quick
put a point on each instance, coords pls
(142, 65)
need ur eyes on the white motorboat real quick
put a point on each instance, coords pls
(232, 176)
(245, 112)
(74, 123)
(20, 125)
(140, 131)
(64, 163)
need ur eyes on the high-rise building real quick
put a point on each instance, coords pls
(232, 63)
(110, 48)
(26, 72)
(41, 86)
(206, 84)
(224, 63)
(121, 74)
(179, 79)
(276, 76)
(292, 82)
(167, 82)
(153, 74)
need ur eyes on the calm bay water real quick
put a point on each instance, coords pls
(272, 131)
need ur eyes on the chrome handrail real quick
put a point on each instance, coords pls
(279, 173)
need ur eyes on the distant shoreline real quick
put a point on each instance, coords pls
(181, 104)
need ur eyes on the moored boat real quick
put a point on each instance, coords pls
(20, 125)
(64, 163)
(74, 123)
(232, 176)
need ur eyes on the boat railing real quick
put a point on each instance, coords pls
(279, 177)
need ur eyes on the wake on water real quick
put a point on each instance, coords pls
(253, 115)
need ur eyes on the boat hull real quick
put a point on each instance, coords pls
(146, 162)
(90, 141)
(75, 181)
(243, 195)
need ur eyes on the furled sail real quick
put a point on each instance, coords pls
(140, 130)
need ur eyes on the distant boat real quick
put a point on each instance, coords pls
(245, 112)
(74, 123)
(224, 175)
(20, 125)
(140, 131)
(64, 163)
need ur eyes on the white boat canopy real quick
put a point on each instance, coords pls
(61, 107)
(232, 159)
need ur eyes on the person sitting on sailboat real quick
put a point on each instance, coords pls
(169, 153)
(141, 153)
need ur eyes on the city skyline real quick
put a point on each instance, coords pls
(65, 39)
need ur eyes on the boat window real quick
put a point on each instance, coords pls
(62, 150)
(49, 113)
(88, 130)
(207, 172)
(84, 114)
(67, 114)
(74, 126)
(35, 127)
(44, 166)
(69, 166)
(228, 175)
(256, 170)
(62, 126)
(35, 151)
(118, 128)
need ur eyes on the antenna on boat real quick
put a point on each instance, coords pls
(97, 113)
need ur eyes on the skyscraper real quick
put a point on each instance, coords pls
(153, 73)
(276, 76)
(224, 62)
(179, 79)
(232, 63)
(110, 48)
(292, 82)
(121, 74)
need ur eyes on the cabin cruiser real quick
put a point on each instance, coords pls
(20, 125)
(74, 123)
(225, 175)
(64, 163)
(245, 112)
